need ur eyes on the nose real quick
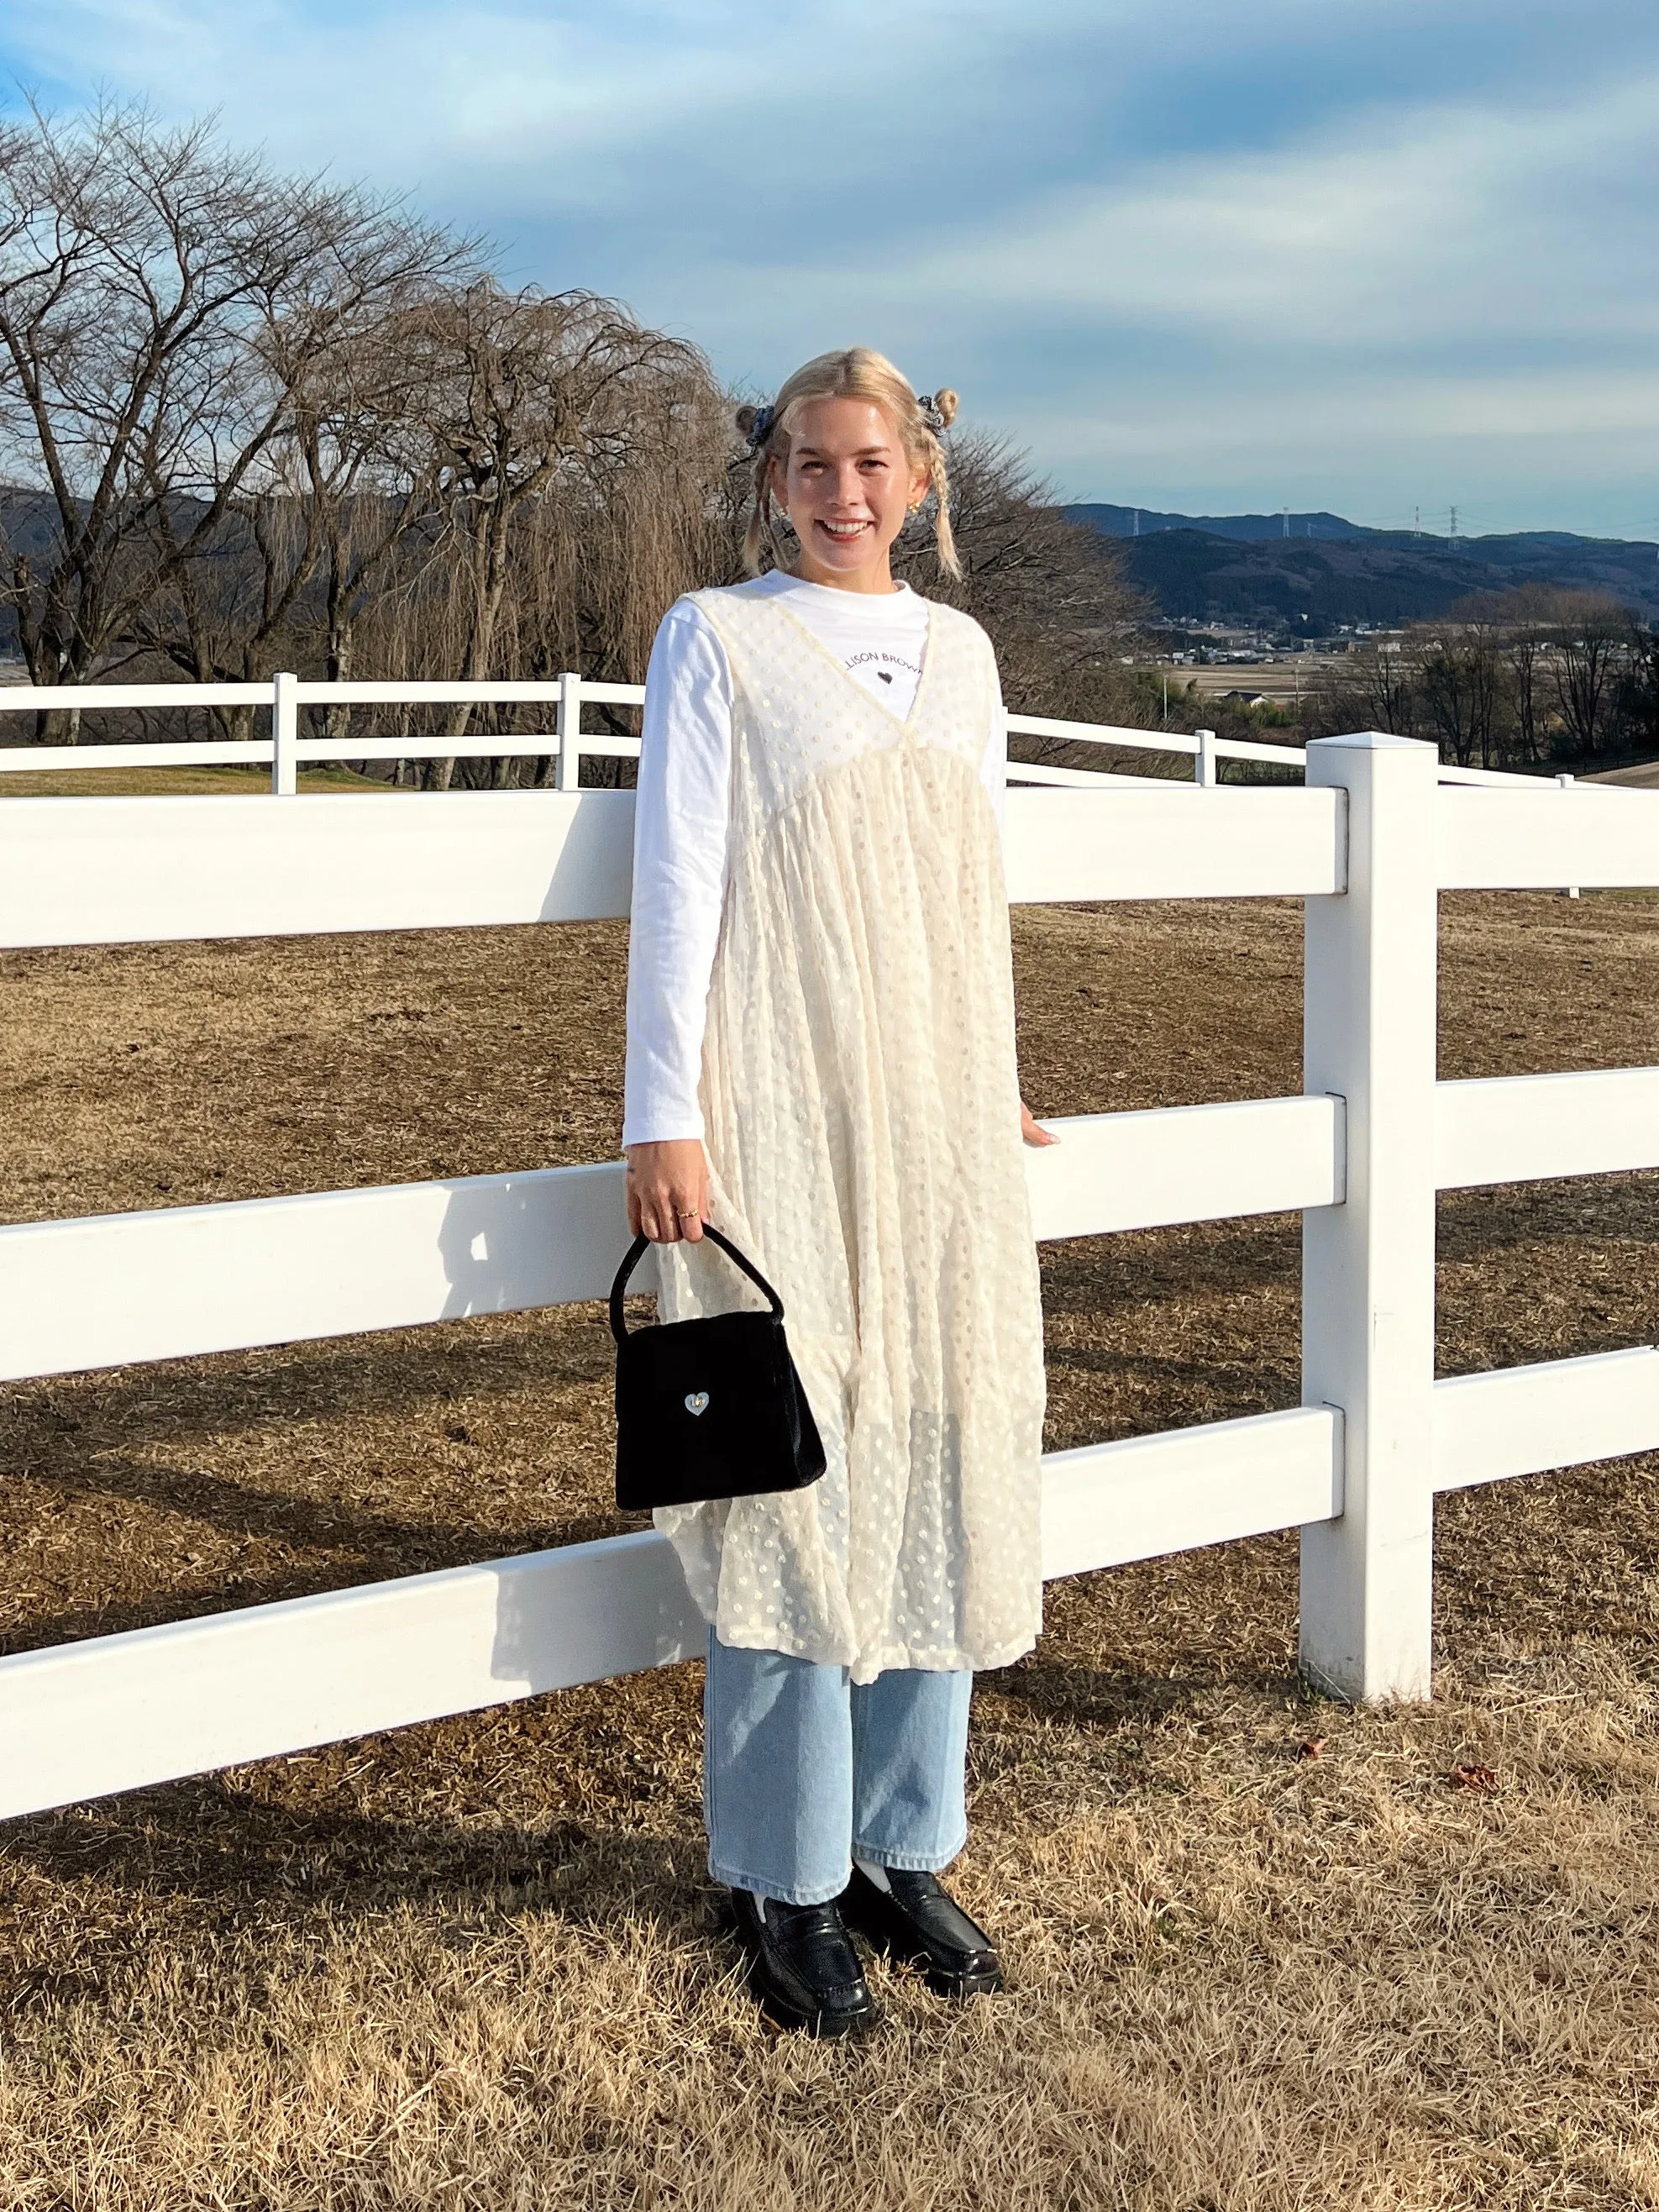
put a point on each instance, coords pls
(849, 485)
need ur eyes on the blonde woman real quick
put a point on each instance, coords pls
(821, 1061)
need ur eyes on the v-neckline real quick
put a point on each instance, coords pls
(903, 722)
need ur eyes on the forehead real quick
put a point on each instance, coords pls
(843, 424)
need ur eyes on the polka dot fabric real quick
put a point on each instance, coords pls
(862, 1109)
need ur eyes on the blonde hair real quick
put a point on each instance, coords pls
(855, 372)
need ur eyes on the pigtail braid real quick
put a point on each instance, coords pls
(944, 404)
(761, 545)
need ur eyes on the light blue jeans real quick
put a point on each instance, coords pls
(804, 1770)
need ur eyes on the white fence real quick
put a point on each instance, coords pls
(1368, 842)
(566, 744)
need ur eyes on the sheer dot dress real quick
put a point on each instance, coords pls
(861, 1107)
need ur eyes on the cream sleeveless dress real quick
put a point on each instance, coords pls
(862, 1103)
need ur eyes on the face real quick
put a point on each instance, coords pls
(847, 487)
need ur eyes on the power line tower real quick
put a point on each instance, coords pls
(1451, 533)
(1136, 532)
(1284, 516)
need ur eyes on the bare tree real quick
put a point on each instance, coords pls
(1052, 592)
(1524, 622)
(161, 298)
(1375, 689)
(345, 508)
(1523, 653)
(275, 422)
(1458, 677)
(1591, 650)
(534, 398)
(1639, 693)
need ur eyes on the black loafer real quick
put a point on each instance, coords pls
(802, 1966)
(918, 1921)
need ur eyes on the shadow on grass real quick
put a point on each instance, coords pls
(235, 1859)
(395, 1371)
(371, 1549)
(1099, 1698)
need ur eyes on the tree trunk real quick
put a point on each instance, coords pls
(58, 726)
(342, 637)
(491, 559)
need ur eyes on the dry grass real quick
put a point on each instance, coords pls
(475, 1964)
(231, 781)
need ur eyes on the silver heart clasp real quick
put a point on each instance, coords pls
(697, 1401)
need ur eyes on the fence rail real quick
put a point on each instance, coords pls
(284, 694)
(1368, 843)
(111, 871)
(568, 744)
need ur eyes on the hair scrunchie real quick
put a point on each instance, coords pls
(755, 424)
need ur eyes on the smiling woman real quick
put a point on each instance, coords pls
(850, 473)
(821, 1060)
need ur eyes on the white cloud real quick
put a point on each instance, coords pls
(1394, 232)
(1401, 293)
(1564, 405)
(560, 98)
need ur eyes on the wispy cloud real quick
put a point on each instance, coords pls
(1386, 254)
(1383, 230)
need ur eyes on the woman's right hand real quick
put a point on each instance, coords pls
(667, 1187)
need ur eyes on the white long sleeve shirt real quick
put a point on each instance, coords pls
(682, 813)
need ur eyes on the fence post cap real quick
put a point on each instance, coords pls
(1372, 741)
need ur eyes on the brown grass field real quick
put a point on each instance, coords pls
(140, 782)
(478, 1963)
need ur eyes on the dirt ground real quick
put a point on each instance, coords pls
(478, 1963)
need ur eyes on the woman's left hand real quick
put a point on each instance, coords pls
(1032, 1130)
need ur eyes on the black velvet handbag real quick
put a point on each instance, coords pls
(708, 1408)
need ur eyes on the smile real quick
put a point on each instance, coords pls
(844, 530)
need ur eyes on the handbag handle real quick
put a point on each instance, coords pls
(635, 1253)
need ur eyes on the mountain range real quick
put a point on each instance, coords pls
(1328, 572)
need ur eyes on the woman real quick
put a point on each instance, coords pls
(821, 1060)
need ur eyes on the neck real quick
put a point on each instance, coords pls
(876, 575)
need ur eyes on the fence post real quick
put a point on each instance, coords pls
(569, 776)
(1566, 783)
(1206, 764)
(284, 734)
(1368, 1264)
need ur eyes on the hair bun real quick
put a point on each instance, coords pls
(746, 419)
(947, 404)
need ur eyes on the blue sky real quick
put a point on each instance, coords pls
(1375, 255)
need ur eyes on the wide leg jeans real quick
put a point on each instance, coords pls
(805, 1770)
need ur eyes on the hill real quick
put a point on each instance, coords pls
(1242, 568)
(1147, 522)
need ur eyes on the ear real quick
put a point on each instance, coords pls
(921, 483)
(775, 480)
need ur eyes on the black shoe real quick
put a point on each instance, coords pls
(802, 1966)
(915, 1920)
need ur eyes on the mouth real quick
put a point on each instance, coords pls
(844, 534)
